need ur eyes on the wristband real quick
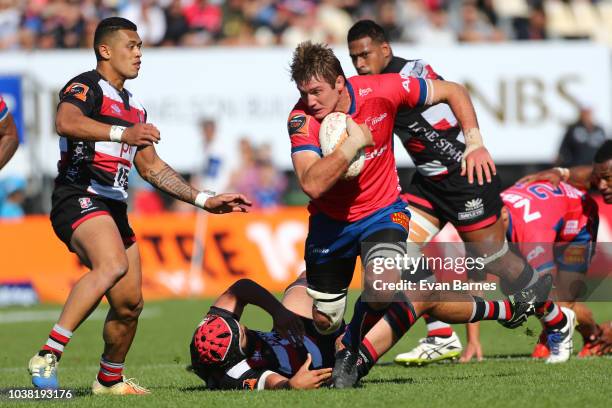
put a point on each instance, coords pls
(564, 171)
(202, 196)
(473, 138)
(116, 132)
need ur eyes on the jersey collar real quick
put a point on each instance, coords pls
(351, 92)
(509, 230)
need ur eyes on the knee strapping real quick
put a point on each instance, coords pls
(331, 305)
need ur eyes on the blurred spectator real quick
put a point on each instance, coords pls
(204, 21)
(12, 197)
(533, 28)
(149, 18)
(257, 177)
(243, 176)
(215, 172)
(581, 140)
(335, 21)
(47, 24)
(475, 27)
(303, 24)
(434, 29)
(176, 24)
(9, 24)
(387, 18)
(271, 183)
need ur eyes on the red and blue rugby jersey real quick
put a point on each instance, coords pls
(543, 214)
(374, 100)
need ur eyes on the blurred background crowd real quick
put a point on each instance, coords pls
(67, 24)
(48, 24)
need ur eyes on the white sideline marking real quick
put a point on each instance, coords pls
(183, 365)
(96, 367)
(25, 316)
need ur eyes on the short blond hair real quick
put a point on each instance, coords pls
(315, 61)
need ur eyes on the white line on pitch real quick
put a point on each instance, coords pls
(27, 316)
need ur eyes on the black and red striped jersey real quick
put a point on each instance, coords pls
(100, 168)
(431, 134)
(3, 109)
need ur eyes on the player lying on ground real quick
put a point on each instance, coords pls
(104, 133)
(449, 157)
(228, 355)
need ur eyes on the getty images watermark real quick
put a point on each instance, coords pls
(412, 265)
(582, 271)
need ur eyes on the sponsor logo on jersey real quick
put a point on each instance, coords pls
(375, 153)
(296, 123)
(321, 251)
(364, 91)
(402, 219)
(571, 227)
(406, 85)
(85, 202)
(78, 90)
(534, 253)
(371, 122)
(473, 208)
(116, 109)
(575, 254)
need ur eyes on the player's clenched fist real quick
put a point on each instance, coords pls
(141, 134)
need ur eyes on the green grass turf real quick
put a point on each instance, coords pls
(160, 353)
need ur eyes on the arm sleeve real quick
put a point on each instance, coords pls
(3, 109)
(420, 69)
(540, 255)
(407, 91)
(81, 92)
(243, 376)
(303, 132)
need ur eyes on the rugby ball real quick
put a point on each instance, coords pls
(331, 134)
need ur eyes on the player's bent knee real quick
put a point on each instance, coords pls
(114, 270)
(130, 310)
(328, 310)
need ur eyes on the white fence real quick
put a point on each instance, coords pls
(524, 95)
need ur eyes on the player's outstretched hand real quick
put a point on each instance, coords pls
(141, 134)
(306, 379)
(227, 203)
(289, 325)
(480, 161)
(551, 175)
(473, 349)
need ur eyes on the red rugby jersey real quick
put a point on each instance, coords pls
(374, 100)
(543, 214)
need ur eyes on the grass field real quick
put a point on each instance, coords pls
(160, 353)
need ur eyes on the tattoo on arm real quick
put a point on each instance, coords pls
(169, 181)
